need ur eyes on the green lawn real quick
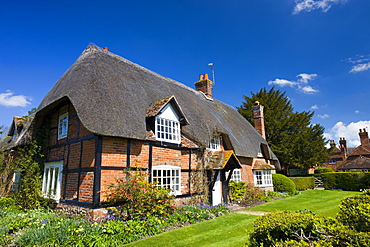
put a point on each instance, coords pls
(230, 230)
(322, 202)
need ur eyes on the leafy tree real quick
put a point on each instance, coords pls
(290, 134)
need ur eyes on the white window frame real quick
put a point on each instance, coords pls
(63, 126)
(167, 176)
(262, 178)
(52, 180)
(167, 126)
(236, 175)
(215, 144)
(16, 179)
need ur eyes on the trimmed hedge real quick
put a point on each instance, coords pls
(303, 183)
(323, 169)
(283, 184)
(353, 181)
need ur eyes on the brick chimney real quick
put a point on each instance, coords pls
(204, 85)
(259, 120)
(364, 137)
(343, 148)
(332, 144)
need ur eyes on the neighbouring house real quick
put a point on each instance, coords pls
(345, 159)
(107, 115)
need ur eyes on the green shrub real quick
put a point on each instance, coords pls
(295, 228)
(353, 181)
(323, 169)
(237, 191)
(283, 184)
(355, 212)
(303, 183)
(6, 202)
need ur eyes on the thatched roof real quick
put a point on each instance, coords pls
(20, 133)
(112, 96)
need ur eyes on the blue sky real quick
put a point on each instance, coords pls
(316, 50)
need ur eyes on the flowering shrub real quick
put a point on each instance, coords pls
(140, 198)
(44, 228)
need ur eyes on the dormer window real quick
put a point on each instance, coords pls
(167, 126)
(215, 144)
(63, 126)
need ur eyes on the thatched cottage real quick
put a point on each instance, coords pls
(108, 115)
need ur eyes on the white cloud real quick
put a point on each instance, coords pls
(357, 111)
(349, 132)
(360, 67)
(314, 107)
(308, 90)
(300, 84)
(310, 5)
(282, 83)
(323, 116)
(9, 99)
(306, 77)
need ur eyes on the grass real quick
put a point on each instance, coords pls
(228, 230)
(322, 202)
(231, 230)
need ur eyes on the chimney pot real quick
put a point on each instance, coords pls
(204, 85)
(106, 48)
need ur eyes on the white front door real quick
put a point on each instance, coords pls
(217, 192)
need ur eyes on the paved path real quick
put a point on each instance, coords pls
(259, 213)
(242, 210)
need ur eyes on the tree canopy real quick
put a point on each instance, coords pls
(290, 134)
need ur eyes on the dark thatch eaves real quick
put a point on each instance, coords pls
(112, 96)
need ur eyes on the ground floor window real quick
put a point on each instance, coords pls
(167, 176)
(236, 175)
(16, 179)
(52, 180)
(262, 178)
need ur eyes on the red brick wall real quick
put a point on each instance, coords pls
(72, 156)
(115, 154)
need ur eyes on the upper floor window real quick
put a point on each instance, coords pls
(236, 175)
(262, 178)
(167, 176)
(215, 144)
(63, 126)
(167, 126)
(332, 161)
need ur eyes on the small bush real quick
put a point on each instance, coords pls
(283, 184)
(6, 202)
(237, 191)
(303, 183)
(355, 212)
(253, 192)
(323, 169)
